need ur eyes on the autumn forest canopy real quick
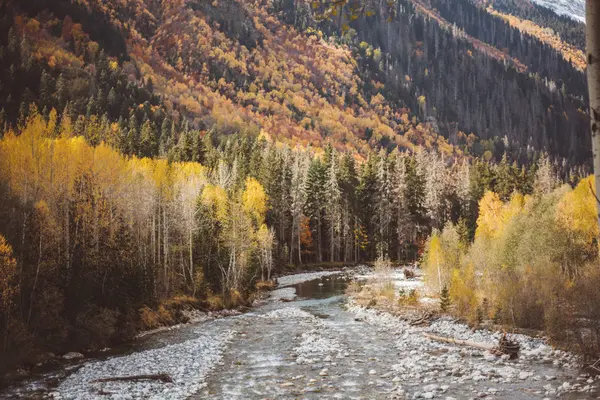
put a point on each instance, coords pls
(161, 154)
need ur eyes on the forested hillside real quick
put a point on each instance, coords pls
(435, 73)
(159, 154)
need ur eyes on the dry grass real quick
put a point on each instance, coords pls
(149, 319)
(168, 312)
(215, 301)
(265, 285)
(181, 302)
(235, 299)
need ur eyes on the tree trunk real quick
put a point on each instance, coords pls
(593, 74)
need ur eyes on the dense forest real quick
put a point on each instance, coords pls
(90, 235)
(156, 154)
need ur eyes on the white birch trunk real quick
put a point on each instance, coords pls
(593, 74)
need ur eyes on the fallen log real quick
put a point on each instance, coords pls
(483, 346)
(153, 377)
(505, 345)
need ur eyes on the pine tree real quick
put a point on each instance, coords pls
(445, 299)
(298, 196)
(404, 225)
(505, 178)
(13, 40)
(197, 147)
(315, 201)
(383, 205)
(113, 102)
(148, 145)
(348, 182)
(46, 89)
(333, 206)
(132, 134)
(367, 199)
(62, 92)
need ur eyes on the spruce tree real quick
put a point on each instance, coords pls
(148, 145)
(333, 206)
(315, 201)
(445, 299)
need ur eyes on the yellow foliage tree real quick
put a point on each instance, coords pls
(254, 200)
(8, 272)
(216, 198)
(576, 212)
(434, 260)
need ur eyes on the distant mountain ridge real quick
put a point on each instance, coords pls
(572, 8)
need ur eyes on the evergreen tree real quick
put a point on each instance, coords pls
(62, 92)
(112, 102)
(148, 145)
(315, 200)
(348, 182)
(367, 199)
(404, 224)
(298, 196)
(132, 134)
(46, 89)
(445, 299)
(333, 207)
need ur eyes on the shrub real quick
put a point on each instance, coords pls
(265, 285)
(149, 319)
(533, 264)
(215, 302)
(95, 327)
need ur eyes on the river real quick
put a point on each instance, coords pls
(309, 342)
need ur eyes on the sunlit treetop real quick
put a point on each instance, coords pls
(351, 10)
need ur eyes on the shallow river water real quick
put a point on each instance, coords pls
(308, 342)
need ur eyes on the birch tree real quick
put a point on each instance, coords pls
(593, 74)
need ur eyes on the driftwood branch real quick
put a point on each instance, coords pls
(153, 377)
(505, 345)
(422, 320)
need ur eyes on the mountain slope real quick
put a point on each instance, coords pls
(437, 73)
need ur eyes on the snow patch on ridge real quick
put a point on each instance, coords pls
(571, 8)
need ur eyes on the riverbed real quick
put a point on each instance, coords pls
(310, 341)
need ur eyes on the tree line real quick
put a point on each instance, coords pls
(92, 239)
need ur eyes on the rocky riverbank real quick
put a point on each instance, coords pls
(317, 344)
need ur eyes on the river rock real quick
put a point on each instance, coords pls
(431, 388)
(524, 375)
(73, 356)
